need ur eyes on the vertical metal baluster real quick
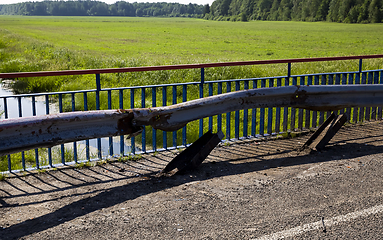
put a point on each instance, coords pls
(164, 133)
(154, 131)
(236, 115)
(201, 96)
(337, 82)
(210, 118)
(362, 111)
(74, 143)
(121, 106)
(315, 113)
(143, 134)
(132, 139)
(270, 111)
(245, 114)
(368, 109)
(254, 114)
(6, 117)
(321, 114)
(47, 112)
(330, 82)
(201, 120)
(36, 150)
(262, 113)
(304, 114)
(380, 108)
(293, 110)
(174, 90)
(375, 109)
(344, 81)
(348, 110)
(62, 145)
(5, 108)
(278, 111)
(219, 117)
(300, 110)
(357, 110)
(308, 112)
(184, 130)
(87, 148)
(286, 109)
(228, 115)
(21, 115)
(111, 150)
(98, 90)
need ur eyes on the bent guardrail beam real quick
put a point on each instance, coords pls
(22, 134)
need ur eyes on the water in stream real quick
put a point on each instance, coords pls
(26, 110)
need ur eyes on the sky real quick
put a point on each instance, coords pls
(113, 1)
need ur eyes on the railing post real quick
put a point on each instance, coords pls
(202, 75)
(21, 115)
(360, 65)
(98, 89)
(201, 96)
(154, 131)
(289, 70)
(5, 117)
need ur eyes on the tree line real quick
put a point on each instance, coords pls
(97, 8)
(346, 11)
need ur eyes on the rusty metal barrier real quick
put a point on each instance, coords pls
(240, 124)
(46, 131)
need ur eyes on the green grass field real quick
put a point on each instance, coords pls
(61, 43)
(184, 40)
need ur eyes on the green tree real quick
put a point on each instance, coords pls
(375, 11)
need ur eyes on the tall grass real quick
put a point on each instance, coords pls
(41, 44)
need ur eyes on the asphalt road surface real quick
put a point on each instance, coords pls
(246, 190)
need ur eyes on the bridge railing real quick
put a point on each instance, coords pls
(248, 123)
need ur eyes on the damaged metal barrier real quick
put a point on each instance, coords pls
(22, 134)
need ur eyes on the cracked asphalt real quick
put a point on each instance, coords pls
(246, 190)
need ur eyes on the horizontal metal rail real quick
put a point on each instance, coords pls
(184, 66)
(46, 131)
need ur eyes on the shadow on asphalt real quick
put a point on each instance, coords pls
(154, 183)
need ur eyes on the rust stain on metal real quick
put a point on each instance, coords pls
(124, 124)
(68, 127)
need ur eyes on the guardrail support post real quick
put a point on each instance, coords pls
(195, 154)
(325, 132)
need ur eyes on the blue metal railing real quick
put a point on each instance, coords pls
(237, 125)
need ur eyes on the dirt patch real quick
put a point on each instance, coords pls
(241, 191)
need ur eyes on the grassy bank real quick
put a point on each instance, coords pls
(61, 43)
(69, 43)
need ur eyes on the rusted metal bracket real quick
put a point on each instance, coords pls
(195, 154)
(325, 132)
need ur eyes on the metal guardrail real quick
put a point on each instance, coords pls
(46, 131)
(246, 123)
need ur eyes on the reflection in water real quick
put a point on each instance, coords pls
(26, 105)
(26, 111)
